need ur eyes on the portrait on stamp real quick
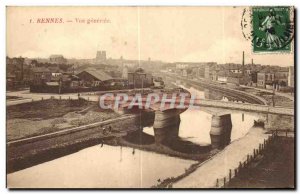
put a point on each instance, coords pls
(272, 29)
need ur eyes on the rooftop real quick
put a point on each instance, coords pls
(98, 74)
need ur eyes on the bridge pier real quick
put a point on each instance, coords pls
(166, 126)
(220, 132)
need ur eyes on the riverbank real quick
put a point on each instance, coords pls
(39, 145)
(46, 116)
(38, 149)
(275, 169)
(204, 175)
(178, 148)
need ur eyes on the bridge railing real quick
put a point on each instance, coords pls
(246, 107)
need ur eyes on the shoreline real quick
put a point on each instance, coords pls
(56, 151)
(168, 183)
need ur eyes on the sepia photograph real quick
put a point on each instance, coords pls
(150, 97)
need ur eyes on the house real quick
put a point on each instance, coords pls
(238, 78)
(55, 71)
(93, 78)
(265, 77)
(232, 67)
(59, 84)
(281, 76)
(139, 79)
(40, 74)
(222, 75)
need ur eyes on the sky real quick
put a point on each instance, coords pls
(170, 34)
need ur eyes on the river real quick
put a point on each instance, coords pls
(195, 124)
(120, 167)
(101, 167)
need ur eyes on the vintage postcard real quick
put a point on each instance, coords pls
(150, 97)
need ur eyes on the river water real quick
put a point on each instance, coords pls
(195, 124)
(101, 167)
(116, 166)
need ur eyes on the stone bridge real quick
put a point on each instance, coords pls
(166, 122)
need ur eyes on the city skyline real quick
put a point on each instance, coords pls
(137, 33)
(247, 62)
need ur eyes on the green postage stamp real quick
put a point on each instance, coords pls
(272, 29)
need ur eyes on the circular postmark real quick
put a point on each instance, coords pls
(246, 23)
(269, 29)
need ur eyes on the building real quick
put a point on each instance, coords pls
(238, 79)
(15, 67)
(57, 59)
(125, 72)
(291, 78)
(200, 72)
(58, 84)
(207, 72)
(181, 65)
(41, 80)
(130, 64)
(253, 78)
(265, 77)
(40, 75)
(68, 83)
(211, 71)
(94, 78)
(281, 77)
(222, 75)
(233, 68)
(55, 71)
(139, 79)
(101, 57)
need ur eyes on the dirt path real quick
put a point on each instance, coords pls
(218, 166)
